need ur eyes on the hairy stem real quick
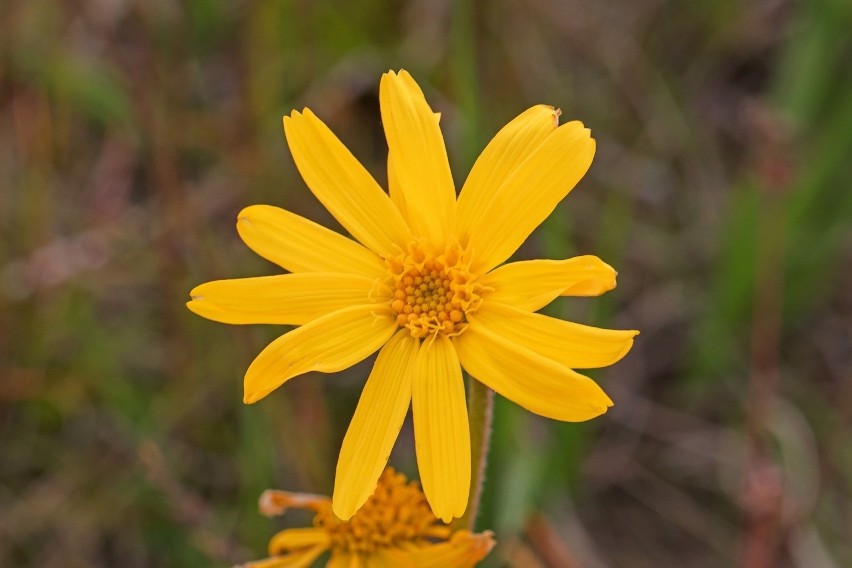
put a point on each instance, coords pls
(480, 411)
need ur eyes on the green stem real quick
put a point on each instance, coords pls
(480, 410)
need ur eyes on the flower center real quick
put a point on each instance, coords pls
(433, 290)
(396, 513)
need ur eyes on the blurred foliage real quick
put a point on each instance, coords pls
(131, 133)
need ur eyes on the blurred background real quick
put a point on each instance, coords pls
(132, 132)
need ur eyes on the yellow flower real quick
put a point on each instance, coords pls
(423, 283)
(395, 528)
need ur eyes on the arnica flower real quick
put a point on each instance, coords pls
(395, 529)
(423, 282)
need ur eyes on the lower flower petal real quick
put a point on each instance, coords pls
(301, 559)
(339, 560)
(327, 344)
(532, 284)
(300, 245)
(286, 299)
(375, 425)
(540, 385)
(290, 540)
(463, 550)
(441, 429)
(574, 345)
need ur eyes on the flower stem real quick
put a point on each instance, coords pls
(480, 412)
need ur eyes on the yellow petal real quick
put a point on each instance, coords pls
(397, 195)
(343, 186)
(300, 245)
(294, 548)
(532, 284)
(523, 376)
(297, 559)
(371, 560)
(327, 344)
(340, 559)
(530, 194)
(375, 425)
(287, 299)
(441, 429)
(297, 538)
(274, 502)
(506, 151)
(463, 550)
(574, 345)
(426, 195)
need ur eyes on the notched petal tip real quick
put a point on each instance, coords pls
(199, 308)
(601, 405)
(296, 115)
(197, 292)
(389, 75)
(582, 131)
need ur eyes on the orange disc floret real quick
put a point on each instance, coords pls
(433, 289)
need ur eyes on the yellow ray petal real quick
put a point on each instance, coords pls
(375, 425)
(298, 559)
(530, 194)
(574, 345)
(397, 193)
(441, 430)
(327, 344)
(520, 374)
(342, 184)
(392, 558)
(506, 151)
(426, 195)
(298, 538)
(287, 299)
(300, 245)
(532, 284)
(371, 560)
(339, 559)
(463, 550)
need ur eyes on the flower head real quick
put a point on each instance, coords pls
(423, 282)
(395, 527)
